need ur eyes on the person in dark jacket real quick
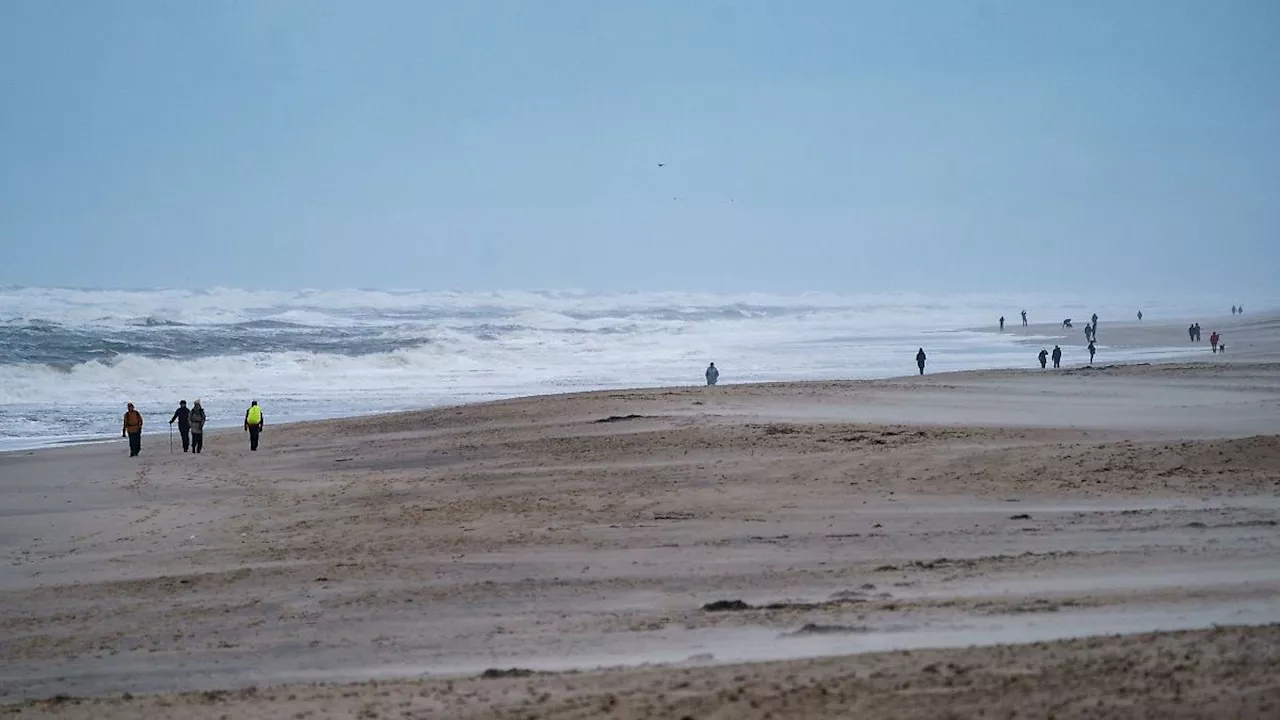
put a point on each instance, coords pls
(920, 358)
(133, 428)
(1092, 350)
(1057, 356)
(253, 424)
(1043, 357)
(197, 418)
(183, 417)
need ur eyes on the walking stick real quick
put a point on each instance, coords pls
(170, 438)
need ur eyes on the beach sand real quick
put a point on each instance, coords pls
(864, 524)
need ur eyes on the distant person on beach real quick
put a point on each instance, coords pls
(1197, 327)
(1057, 356)
(1088, 333)
(920, 358)
(133, 428)
(1241, 310)
(1066, 323)
(1094, 320)
(1139, 316)
(1044, 358)
(1233, 309)
(197, 426)
(1024, 318)
(713, 374)
(1001, 323)
(253, 424)
(1092, 350)
(1213, 340)
(183, 416)
(1191, 332)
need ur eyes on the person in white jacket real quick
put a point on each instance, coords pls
(197, 418)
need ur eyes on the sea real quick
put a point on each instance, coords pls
(71, 358)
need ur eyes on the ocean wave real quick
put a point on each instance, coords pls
(157, 322)
(267, 325)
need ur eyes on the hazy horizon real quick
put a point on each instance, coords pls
(844, 147)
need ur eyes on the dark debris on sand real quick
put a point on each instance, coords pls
(514, 672)
(621, 418)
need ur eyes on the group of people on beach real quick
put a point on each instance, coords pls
(1215, 339)
(190, 421)
(1091, 337)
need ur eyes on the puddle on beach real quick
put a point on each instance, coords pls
(723, 646)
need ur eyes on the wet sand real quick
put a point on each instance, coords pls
(567, 533)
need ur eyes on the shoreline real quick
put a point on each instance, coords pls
(1174, 361)
(1255, 339)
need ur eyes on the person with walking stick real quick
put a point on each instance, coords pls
(183, 417)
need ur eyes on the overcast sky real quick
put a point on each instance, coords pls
(844, 146)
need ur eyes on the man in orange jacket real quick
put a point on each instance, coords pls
(133, 428)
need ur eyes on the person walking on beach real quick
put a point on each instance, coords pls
(197, 426)
(1057, 356)
(1043, 357)
(713, 375)
(1139, 316)
(1197, 332)
(1001, 323)
(1233, 309)
(1092, 350)
(1094, 320)
(1024, 318)
(253, 423)
(920, 358)
(133, 429)
(183, 416)
(1213, 340)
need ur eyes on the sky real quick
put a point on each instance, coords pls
(845, 146)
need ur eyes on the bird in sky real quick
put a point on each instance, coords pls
(662, 164)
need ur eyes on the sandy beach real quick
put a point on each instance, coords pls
(1106, 538)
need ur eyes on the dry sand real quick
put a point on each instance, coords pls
(847, 517)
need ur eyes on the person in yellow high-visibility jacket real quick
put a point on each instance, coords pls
(253, 424)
